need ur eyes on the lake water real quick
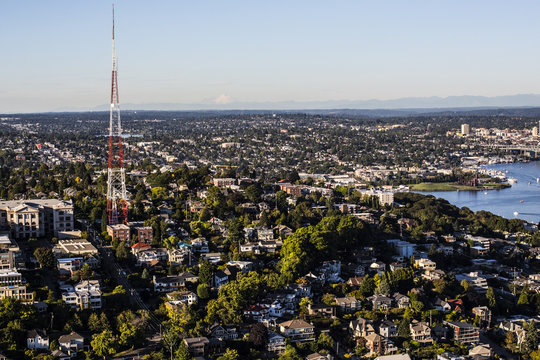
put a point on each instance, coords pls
(523, 196)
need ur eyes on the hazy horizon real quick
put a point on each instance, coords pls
(218, 55)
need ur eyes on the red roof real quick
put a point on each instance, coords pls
(140, 245)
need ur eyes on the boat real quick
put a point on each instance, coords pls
(537, 179)
(521, 201)
(512, 180)
(516, 213)
(485, 192)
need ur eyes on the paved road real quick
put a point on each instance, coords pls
(503, 353)
(120, 275)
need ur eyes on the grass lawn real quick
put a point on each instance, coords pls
(446, 186)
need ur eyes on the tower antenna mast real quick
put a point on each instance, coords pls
(117, 210)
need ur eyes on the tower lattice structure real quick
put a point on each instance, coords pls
(117, 210)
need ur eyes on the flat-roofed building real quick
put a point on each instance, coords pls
(120, 232)
(18, 292)
(145, 234)
(464, 332)
(36, 218)
(76, 247)
(10, 277)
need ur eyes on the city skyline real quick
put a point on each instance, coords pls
(217, 55)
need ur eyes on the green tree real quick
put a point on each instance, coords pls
(104, 343)
(171, 242)
(86, 272)
(404, 330)
(182, 353)
(290, 354)
(94, 325)
(205, 272)
(203, 291)
(230, 354)
(104, 222)
(45, 257)
(325, 341)
(491, 298)
(258, 335)
(531, 338)
(524, 296)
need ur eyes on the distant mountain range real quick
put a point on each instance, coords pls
(410, 103)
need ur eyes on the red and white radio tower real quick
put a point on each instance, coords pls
(116, 181)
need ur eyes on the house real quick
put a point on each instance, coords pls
(355, 281)
(463, 332)
(187, 297)
(200, 245)
(380, 302)
(456, 305)
(245, 266)
(197, 346)
(85, 295)
(223, 332)
(425, 264)
(420, 332)
(481, 351)
(71, 342)
(388, 329)
(483, 313)
(394, 357)
(317, 356)
(402, 301)
(37, 339)
(178, 256)
(297, 330)
(442, 305)
(374, 343)
(140, 246)
(148, 256)
(348, 304)
(173, 282)
(258, 313)
(223, 276)
(60, 355)
(360, 328)
(276, 342)
(321, 309)
(378, 266)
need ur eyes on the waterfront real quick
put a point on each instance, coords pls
(523, 196)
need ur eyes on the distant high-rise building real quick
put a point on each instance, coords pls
(535, 131)
(465, 129)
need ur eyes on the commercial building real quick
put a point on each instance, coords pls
(36, 218)
(76, 247)
(465, 129)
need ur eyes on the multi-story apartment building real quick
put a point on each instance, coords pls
(464, 332)
(18, 292)
(119, 231)
(10, 277)
(145, 234)
(36, 218)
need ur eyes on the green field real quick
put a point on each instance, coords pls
(446, 186)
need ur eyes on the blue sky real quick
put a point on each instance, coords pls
(56, 54)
